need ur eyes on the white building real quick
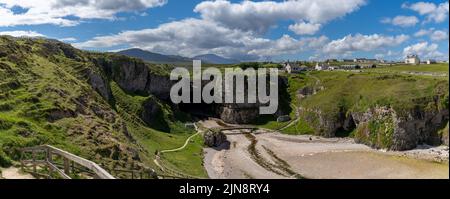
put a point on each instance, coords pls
(292, 68)
(364, 60)
(412, 59)
(319, 67)
(431, 61)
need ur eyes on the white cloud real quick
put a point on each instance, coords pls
(425, 51)
(68, 39)
(402, 21)
(192, 37)
(56, 11)
(305, 28)
(365, 43)
(20, 33)
(260, 16)
(28, 33)
(433, 12)
(288, 45)
(439, 35)
(392, 55)
(379, 56)
(435, 35)
(423, 32)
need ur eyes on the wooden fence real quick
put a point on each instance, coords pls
(43, 157)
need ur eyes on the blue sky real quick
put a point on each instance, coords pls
(250, 30)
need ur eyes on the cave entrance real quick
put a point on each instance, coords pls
(201, 111)
(347, 129)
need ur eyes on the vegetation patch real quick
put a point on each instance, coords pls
(376, 133)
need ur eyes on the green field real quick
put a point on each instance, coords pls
(433, 68)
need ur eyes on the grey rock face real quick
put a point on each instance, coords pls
(132, 76)
(246, 113)
(419, 127)
(150, 111)
(214, 139)
(159, 86)
(325, 125)
(100, 85)
(416, 127)
(238, 115)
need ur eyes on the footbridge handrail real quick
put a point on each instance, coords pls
(68, 162)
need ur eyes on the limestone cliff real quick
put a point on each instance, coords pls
(385, 127)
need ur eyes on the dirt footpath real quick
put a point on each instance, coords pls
(14, 174)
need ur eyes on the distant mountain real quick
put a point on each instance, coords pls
(153, 57)
(215, 59)
(160, 58)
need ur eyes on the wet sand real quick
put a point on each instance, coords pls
(265, 155)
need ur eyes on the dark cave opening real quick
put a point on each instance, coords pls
(347, 128)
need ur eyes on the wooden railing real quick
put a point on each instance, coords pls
(42, 157)
(137, 174)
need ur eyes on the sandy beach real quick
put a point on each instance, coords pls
(270, 155)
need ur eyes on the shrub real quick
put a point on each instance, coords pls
(5, 161)
(254, 65)
(5, 125)
(5, 107)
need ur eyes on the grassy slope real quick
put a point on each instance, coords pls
(296, 82)
(434, 68)
(359, 91)
(39, 81)
(153, 140)
(24, 106)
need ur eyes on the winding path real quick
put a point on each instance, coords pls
(182, 147)
(160, 164)
(293, 122)
(297, 109)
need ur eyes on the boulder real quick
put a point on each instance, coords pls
(54, 115)
(285, 118)
(214, 138)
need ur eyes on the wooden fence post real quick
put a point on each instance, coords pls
(66, 166)
(49, 157)
(22, 166)
(34, 161)
(73, 168)
(49, 160)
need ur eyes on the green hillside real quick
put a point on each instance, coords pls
(341, 95)
(52, 93)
